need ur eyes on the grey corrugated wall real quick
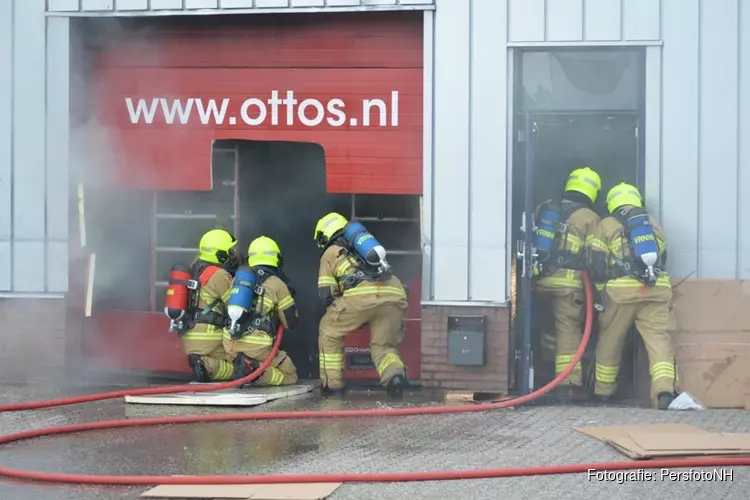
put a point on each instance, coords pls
(705, 177)
(697, 136)
(33, 149)
(701, 160)
(698, 107)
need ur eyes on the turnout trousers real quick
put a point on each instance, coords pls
(257, 345)
(341, 317)
(652, 318)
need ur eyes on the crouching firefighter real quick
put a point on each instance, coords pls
(260, 299)
(562, 225)
(627, 254)
(357, 287)
(196, 305)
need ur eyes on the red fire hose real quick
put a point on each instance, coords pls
(318, 478)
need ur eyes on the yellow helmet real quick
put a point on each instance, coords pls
(217, 246)
(623, 194)
(263, 251)
(327, 227)
(585, 181)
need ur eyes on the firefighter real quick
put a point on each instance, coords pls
(562, 225)
(202, 342)
(354, 295)
(273, 303)
(626, 255)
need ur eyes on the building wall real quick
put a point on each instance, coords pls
(705, 137)
(696, 133)
(696, 119)
(696, 138)
(188, 7)
(33, 149)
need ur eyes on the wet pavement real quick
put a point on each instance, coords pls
(526, 436)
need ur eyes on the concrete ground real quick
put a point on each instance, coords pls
(524, 436)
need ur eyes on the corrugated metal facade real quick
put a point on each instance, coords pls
(697, 111)
(706, 136)
(177, 7)
(33, 148)
(696, 116)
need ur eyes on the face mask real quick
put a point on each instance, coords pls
(233, 262)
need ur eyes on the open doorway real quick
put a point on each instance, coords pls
(574, 108)
(282, 194)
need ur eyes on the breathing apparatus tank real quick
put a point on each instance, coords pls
(241, 297)
(177, 295)
(364, 244)
(643, 241)
(546, 230)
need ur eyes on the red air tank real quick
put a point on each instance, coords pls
(177, 297)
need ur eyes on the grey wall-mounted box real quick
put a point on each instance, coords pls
(466, 340)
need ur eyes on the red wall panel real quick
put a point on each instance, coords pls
(353, 57)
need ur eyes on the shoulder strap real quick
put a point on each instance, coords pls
(263, 275)
(567, 208)
(207, 274)
(624, 215)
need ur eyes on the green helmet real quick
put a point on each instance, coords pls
(585, 181)
(217, 246)
(263, 251)
(327, 227)
(623, 194)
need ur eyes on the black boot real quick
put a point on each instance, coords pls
(395, 387)
(602, 399)
(244, 366)
(199, 369)
(665, 399)
(331, 393)
(569, 393)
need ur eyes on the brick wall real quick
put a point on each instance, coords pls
(436, 372)
(32, 339)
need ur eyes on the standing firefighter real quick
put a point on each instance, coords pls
(562, 226)
(357, 287)
(261, 298)
(627, 254)
(200, 320)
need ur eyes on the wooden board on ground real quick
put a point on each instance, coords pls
(301, 491)
(251, 396)
(474, 397)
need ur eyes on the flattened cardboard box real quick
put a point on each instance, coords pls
(713, 305)
(712, 342)
(301, 491)
(669, 440)
(714, 367)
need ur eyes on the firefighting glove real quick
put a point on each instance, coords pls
(597, 264)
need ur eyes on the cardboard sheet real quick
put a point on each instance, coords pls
(669, 440)
(619, 436)
(712, 341)
(699, 443)
(302, 491)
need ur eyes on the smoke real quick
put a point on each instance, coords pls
(117, 221)
(282, 189)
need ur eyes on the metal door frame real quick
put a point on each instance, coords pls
(524, 253)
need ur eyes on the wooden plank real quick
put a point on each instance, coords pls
(232, 397)
(301, 491)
